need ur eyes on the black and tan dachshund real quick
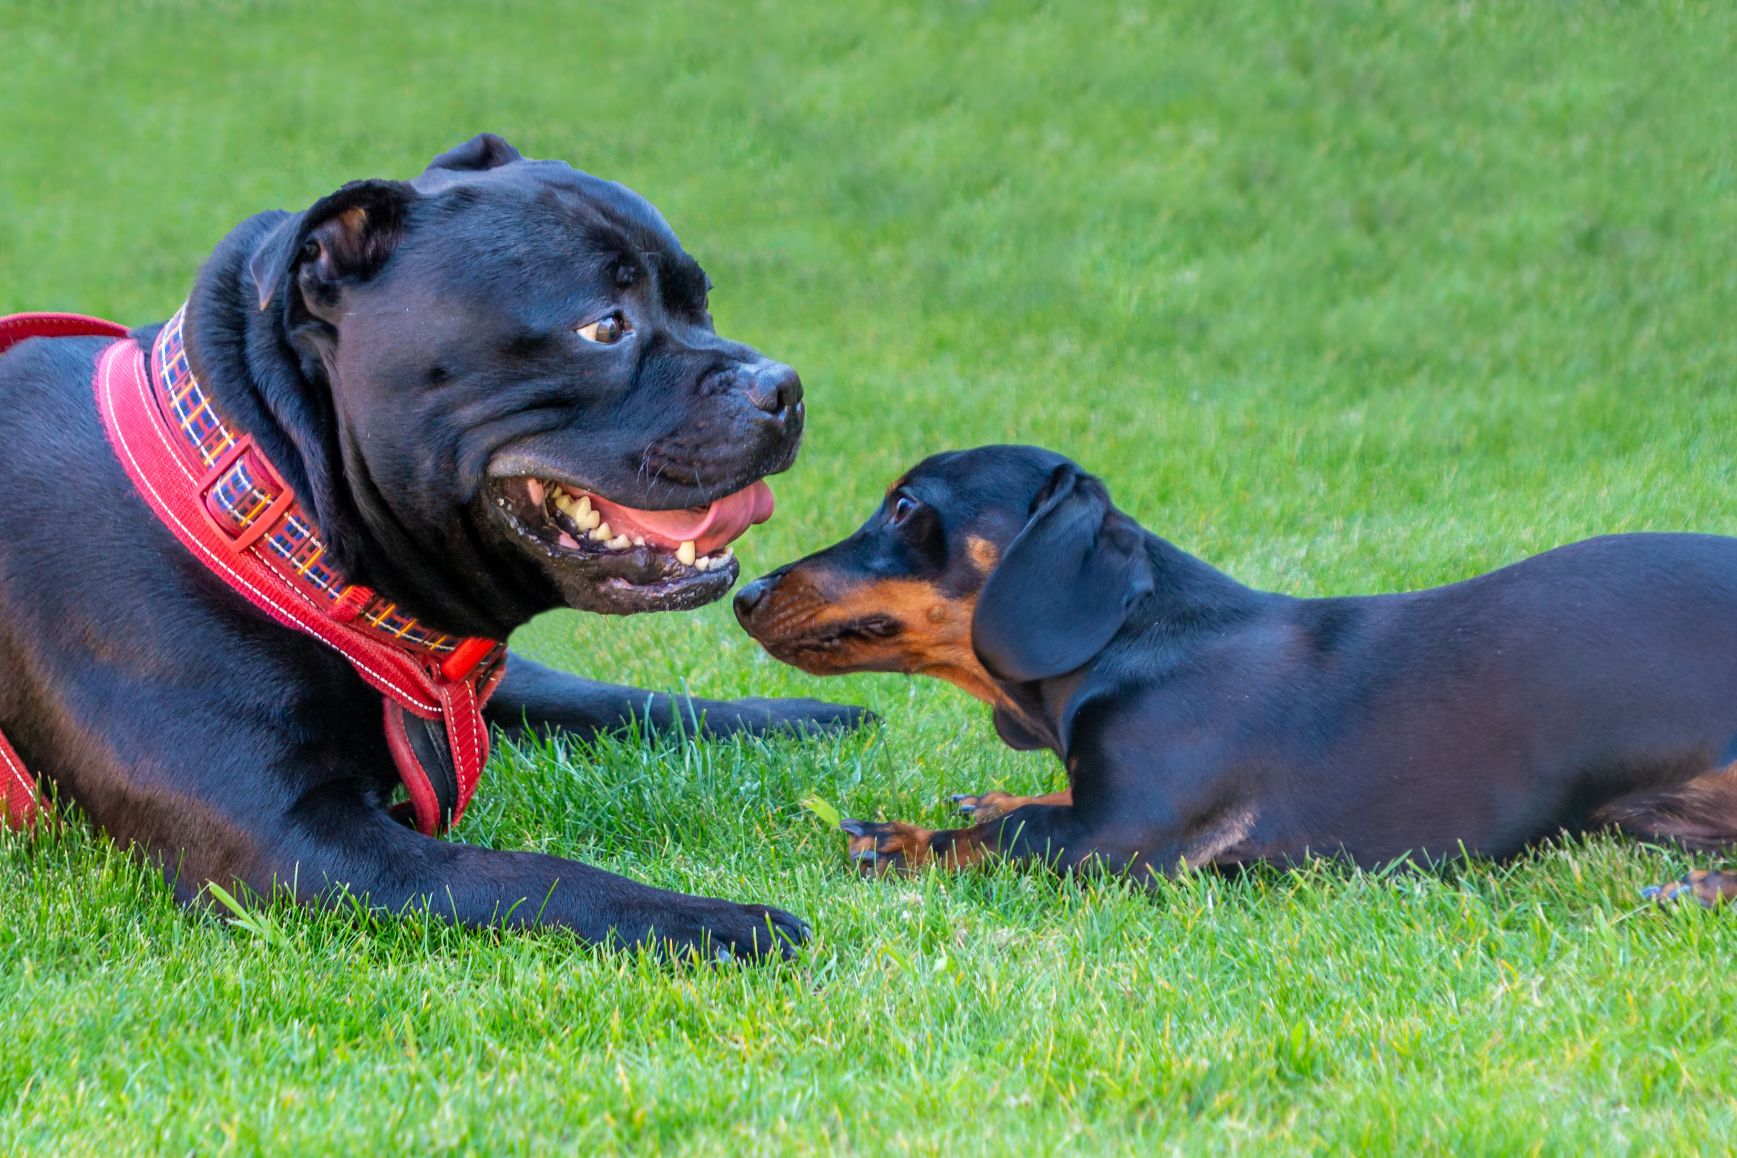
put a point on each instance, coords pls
(1204, 723)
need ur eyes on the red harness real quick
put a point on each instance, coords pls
(220, 496)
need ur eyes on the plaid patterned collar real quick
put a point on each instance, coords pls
(244, 498)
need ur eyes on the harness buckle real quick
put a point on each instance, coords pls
(261, 477)
(465, 657)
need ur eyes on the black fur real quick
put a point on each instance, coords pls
(405, 352)
(1065, 585)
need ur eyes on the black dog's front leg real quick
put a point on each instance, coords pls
(535, 698)
(345, 847)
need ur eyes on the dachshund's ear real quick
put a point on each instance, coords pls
(1065, 586)
(344, 237)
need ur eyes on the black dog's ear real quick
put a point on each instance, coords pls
(483, 151)
(1065, 586)
(346, 236)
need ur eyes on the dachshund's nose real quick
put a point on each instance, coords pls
(749, 598)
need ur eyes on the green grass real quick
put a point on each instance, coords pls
(1343, 297)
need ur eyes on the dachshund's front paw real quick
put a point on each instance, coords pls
(986, 806)
(881, 847)
(1712, 887)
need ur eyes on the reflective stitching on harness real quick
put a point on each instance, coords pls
(478, 743)
(22, 777)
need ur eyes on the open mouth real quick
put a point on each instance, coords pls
(636, 559)
(826, 649)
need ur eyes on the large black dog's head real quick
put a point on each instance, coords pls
(1000, 565)
(526, 394)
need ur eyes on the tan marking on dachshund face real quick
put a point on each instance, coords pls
(828, 624)
(983, 553)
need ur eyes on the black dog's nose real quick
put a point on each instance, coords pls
(749, 598)
(776, 388)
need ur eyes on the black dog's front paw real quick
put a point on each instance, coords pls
(723, 931)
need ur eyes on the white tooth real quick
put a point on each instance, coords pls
(686, 553)
(587, 520)
(638, 541)
(703, 563)
(619, 543)
(729, 552)
(601, 533)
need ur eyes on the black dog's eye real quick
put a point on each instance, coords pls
(606, 331)
(903, 508)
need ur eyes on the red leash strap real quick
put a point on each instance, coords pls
(16, 328)
(20, 802)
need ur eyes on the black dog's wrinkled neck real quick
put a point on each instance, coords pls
(259, 382)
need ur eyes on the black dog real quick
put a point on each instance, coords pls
(439, 368)
(1204, 723)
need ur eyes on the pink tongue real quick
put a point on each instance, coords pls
(711, 528)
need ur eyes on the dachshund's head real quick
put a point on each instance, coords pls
(987, 567)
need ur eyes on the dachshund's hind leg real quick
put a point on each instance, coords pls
(1700, 815)
(1712, 887)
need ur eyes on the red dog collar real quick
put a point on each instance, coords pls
(220, 496)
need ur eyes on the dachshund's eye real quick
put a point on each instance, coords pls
(606, 331)
(903, 508)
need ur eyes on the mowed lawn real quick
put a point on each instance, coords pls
(1344, 298)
